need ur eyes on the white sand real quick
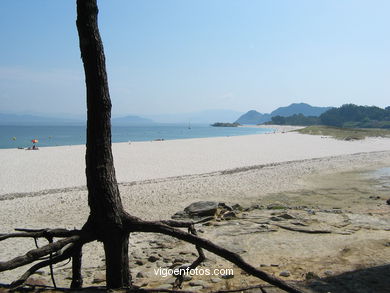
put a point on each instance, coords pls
(61, 167)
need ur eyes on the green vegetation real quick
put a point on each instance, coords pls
(296, 119)
(222, 124)
(351, 115)
(344, 133)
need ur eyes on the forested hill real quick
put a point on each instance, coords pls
(348, 115)
(254, 117)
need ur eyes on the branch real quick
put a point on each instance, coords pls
(77, 278)
(35, 254)
(65, 255)
(183, 224)
(134, 224)
(41, 233)
(201, 257)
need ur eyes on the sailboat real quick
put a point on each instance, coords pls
(189, 125)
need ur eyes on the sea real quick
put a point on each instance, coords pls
(22, 136)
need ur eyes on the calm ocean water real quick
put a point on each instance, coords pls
(21, 136)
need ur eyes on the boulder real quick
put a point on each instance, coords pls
(202, 208)
(153, 258)
(224, 206)
(229, 215)
(180, 215)
(285, 274)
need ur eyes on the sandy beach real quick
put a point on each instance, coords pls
(45, 188)
(63, 167)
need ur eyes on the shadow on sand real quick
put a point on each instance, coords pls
(368, 280)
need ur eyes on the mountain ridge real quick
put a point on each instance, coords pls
(254, 117)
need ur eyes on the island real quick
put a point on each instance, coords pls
(224, 124)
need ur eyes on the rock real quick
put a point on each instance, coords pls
(255, 207)
(187, 278)
(237, 207)
(179, 260)
(36, 281)
(374, 197)
(286, 216)
(99, 277)
(229, 215)
(97, 281)
(224, 206)
(215, 280)
(153, 258)
(140, 275)
(276, 206)
(196, 288)
(276, 219)
(311, 276)
(139, 262)
(201, 283)
(165, 287)
(328, 273)
(388, 201)
(180, 215)
(285, 274)
(202, 208)
(226, 277)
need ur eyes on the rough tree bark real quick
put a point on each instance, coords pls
(108, 222)
(103, 194)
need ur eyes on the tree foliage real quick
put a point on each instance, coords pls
(348, 115)
(296, 119)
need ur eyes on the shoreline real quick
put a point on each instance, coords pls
(155, 137)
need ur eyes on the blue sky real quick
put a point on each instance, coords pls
(188, 55)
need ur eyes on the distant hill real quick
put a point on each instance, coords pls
(21, 119)
(131, 120)
(254, 117)
(299, 108)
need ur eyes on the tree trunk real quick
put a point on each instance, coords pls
(105, 204)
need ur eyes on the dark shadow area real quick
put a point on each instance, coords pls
(369, 280)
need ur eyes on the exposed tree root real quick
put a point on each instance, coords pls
(137, 225)
(70, 247)
(65, 255)
(36, 254)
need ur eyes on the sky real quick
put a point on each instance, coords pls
(175, 56)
